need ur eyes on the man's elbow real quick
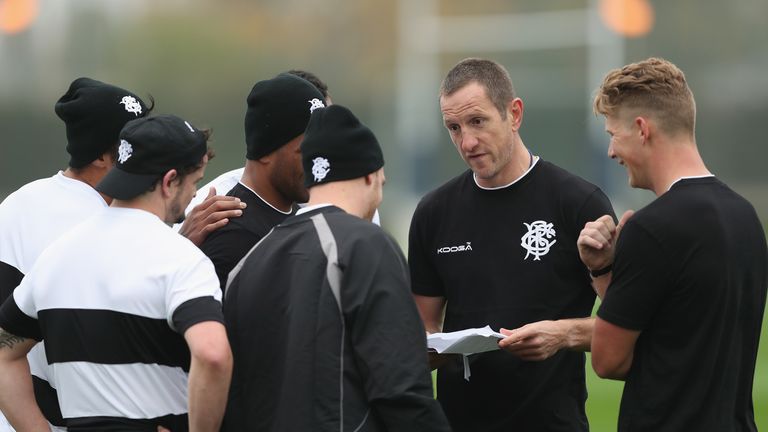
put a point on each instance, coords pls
(209, 346)
(608, 369)
(220, 361)
(216, 357)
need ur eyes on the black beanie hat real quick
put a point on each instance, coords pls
(337, 146)
(278, 111)
(94, 113)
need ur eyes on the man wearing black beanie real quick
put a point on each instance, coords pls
(278, 110)
(39, 212)
(323, 303)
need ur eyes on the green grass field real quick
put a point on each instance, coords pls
(605, 395)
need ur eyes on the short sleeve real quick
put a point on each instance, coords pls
(15, 315)
(195, 311)
(195, 279)
(595, 206)
(425, 280)
(639, 281)
(10, 278)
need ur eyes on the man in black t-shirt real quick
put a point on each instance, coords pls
(272, 182)
(496, 246)
(681, 318)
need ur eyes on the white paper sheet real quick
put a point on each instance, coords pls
(469, 341)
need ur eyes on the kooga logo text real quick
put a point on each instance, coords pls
(452, 249)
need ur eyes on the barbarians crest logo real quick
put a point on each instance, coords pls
(131, 105)
(124, 151)
(315, 104)
(320, 168)
(538, 240)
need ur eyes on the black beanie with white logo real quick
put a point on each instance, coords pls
(278, 111)
(337, 147)
(94, 113)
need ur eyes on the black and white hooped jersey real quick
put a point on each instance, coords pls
(31, 219)
(36, 215)
(112, 298)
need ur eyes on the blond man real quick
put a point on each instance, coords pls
(680, 319)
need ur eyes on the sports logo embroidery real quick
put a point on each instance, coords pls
(320, 168)
(191, 129)
(538, 240)
(124, 151)
(452, 249)
(131, 105)
(315, 104)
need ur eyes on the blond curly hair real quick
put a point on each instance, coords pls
(655, 87)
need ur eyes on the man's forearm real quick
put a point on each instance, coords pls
(17, 398)
(208, 390)
(578, 333)
(600, 284)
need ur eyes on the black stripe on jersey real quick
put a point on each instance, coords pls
(110, 337)
(10, 278)
(16, 322)
(48, 401)
(195, 311)
(115, 424)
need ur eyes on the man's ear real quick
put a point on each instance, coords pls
(105, 160)
(369, 178)
(515, 111)
(167, 182)
(644, 127)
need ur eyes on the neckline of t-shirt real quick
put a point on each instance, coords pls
(265, 201)
(309, 208)
(690, 178)
(533, 164)
(69, 182)
(146, 214)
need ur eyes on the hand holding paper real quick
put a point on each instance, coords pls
(469, 341)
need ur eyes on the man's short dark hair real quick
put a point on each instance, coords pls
(313, 79)
(491, 75)
(182, 172)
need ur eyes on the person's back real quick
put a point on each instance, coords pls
(307, 353)
(39, 212)
(35, 215)
(130, 312)
(113, 347)
(694, 362)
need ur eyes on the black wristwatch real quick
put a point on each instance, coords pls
(602, 271)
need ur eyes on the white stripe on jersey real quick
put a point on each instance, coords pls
(136, 391)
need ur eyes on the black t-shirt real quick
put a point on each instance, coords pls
(507, 257)
(690, 274)
(229, 244)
